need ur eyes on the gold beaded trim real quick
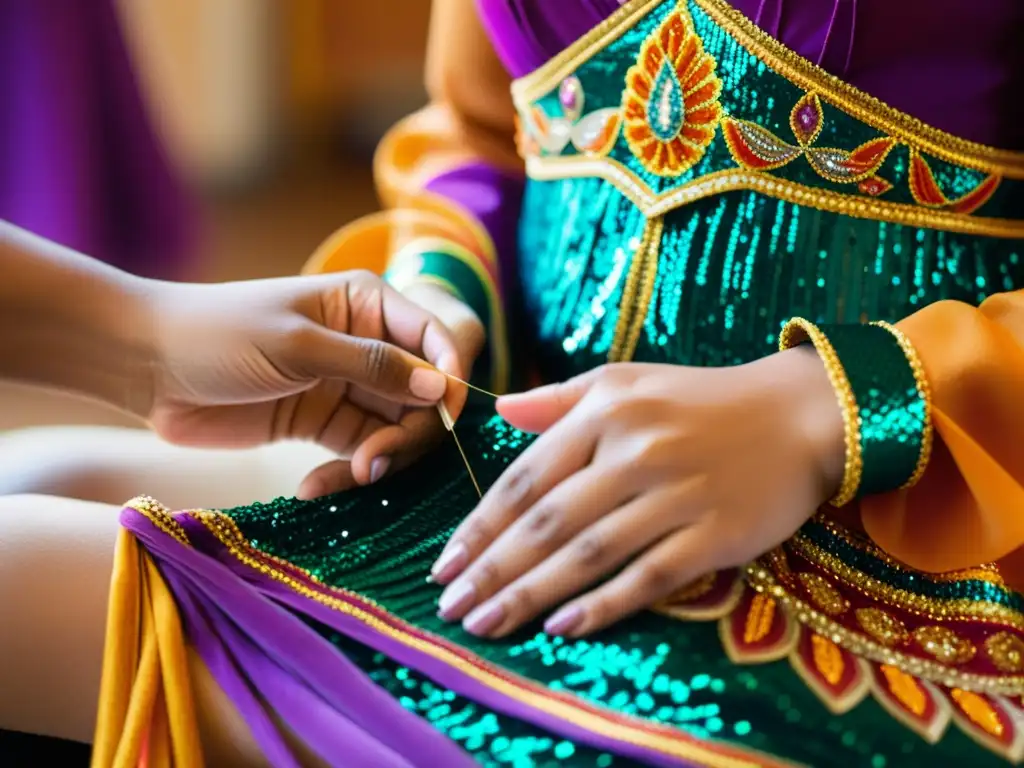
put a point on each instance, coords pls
(933, 671)
(924, 392)
(565, 707)
(797, 331)
(933, 608)
(794, 68)
(731, 180)
(160, 516)
(637, 292)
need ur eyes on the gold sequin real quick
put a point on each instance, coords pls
(1006, 650)
(905, 689)
(883, 626)
(828, 659)
(979, 711)
(945, 645)
(759, 618)
(824, 594)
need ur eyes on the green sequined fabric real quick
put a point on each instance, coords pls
(380, 542)
(890, 408)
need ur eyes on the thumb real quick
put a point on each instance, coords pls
(539, 409)
(320, 353)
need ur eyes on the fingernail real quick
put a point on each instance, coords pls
(428, 384)
(484, 619)
(450, 563)
(456, 600)
(564, 621)
(378, 468)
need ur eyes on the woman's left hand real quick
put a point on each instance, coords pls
(652, 475)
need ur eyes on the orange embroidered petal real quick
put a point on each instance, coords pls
(806, 119)
(673, 93)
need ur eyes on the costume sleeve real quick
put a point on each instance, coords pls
(450, 181)
(937, 407)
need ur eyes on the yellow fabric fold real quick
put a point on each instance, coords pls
(968, 507)
(146, 716)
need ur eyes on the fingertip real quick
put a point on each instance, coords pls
(311, 488)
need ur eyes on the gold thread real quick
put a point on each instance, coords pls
(672, 742)
(1006, 651)
(795, 332)
(792, 67)
(945, 645)
(731, 180)
(824, 593)
(863, 646)
(924, 392)
(884, 627)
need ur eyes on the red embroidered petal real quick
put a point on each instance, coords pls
(918, 705)
(867, 158)
(839, 678)
(758, 630)
(977, 197)
(923, 186)
(756, 148)
(989, 721)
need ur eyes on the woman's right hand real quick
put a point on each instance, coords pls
(399, 444)
(341, 359)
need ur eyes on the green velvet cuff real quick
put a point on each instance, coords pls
(881, 387)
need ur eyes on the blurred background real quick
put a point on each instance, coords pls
(197, 140)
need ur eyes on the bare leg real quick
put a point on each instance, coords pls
(113, 464)
(55, 565)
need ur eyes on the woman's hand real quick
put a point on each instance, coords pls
(340, 359)
(649, 476)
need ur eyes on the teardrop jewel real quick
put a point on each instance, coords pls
(666, 110)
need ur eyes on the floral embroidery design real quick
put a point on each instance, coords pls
(929, 661)
(757, 149)
(670, 106)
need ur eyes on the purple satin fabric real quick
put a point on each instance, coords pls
(493, 197)
(246, 628)
(955, 64)
(80, 163)
(251, 645)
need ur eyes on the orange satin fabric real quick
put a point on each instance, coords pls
(968, 507)
(146, 715)
(470, 119)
